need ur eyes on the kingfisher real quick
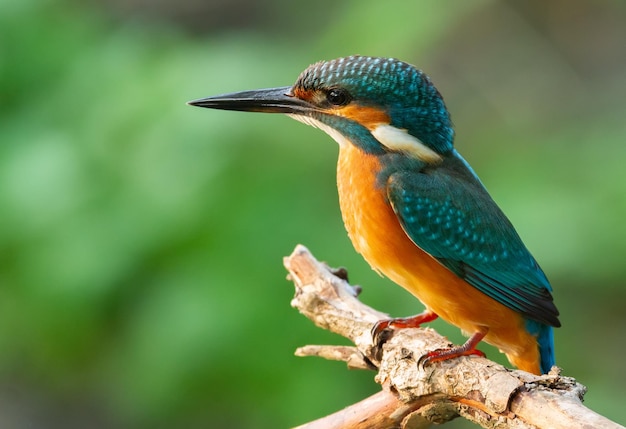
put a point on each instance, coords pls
(415, 209)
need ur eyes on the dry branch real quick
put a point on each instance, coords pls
(413, 396)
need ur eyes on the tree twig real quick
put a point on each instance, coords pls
(412, 396)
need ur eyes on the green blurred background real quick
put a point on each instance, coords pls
(141, 240)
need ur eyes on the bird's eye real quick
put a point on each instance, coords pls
(338, 97)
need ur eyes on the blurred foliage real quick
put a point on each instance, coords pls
(141, 240)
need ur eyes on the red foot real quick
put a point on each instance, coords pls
(382, 326)
(467, 349)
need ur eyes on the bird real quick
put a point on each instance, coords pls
(415, 209)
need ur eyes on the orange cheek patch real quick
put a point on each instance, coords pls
(303, 94)
(369, 117)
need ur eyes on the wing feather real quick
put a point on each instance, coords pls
(456, 221)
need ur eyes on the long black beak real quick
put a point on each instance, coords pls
(271, 100)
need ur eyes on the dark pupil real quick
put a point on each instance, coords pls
(337, 97)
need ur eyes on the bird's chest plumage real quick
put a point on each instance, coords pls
(363, 206)
(371, 222)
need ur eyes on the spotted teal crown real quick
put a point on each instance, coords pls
(405, 93)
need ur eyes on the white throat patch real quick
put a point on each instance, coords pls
(392, 138)
(336, 135)
(400, 140)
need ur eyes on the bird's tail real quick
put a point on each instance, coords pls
(545, 341)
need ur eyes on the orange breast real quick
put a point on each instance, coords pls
(377, 235)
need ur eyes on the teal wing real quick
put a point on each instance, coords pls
(456, 221)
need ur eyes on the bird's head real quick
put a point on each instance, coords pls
(381, 105)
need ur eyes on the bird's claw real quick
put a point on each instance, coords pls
(382, 330)
(440, 355)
